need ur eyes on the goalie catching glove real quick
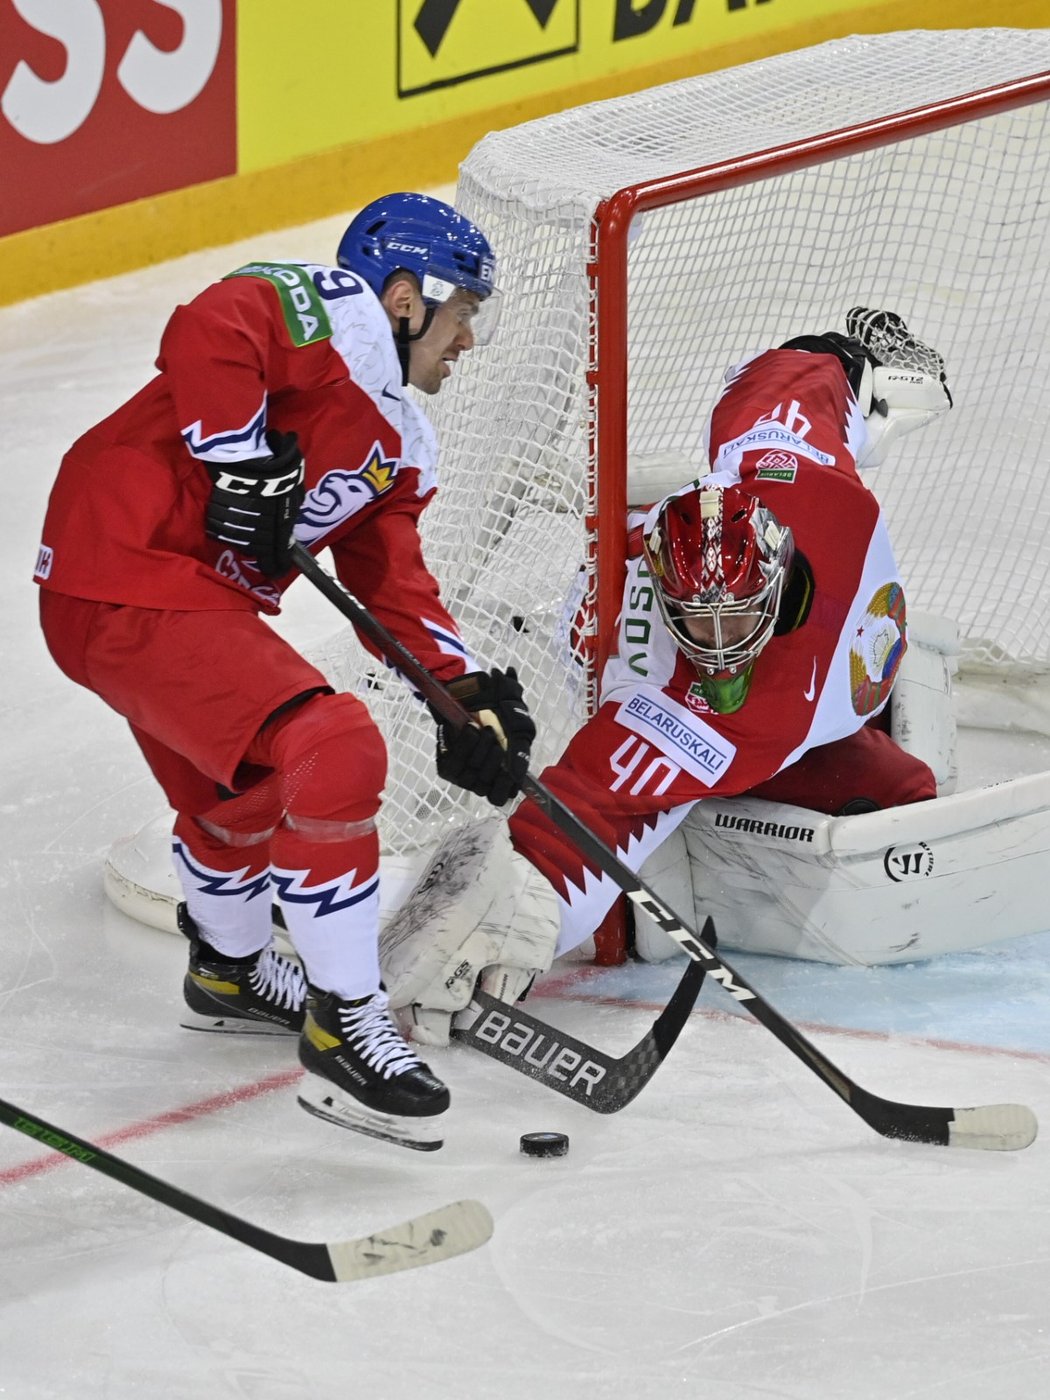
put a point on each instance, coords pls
(899, 381)
(491, 757)
(253, 505)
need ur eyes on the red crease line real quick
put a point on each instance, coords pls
(227, 1099)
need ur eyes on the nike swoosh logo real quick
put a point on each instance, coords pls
(809, 694)
(388, 395)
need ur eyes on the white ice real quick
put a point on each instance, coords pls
(735, 1234)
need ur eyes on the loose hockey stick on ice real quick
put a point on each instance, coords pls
(426, 1239)
(569, 1066)
(994, 1127)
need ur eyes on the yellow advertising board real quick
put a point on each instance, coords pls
(202, 121)
(352, 70)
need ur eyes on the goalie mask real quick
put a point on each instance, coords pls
(719, 559)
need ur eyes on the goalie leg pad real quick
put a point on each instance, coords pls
(669, 872)
(479, 908)
(892, 886)
(922, 710)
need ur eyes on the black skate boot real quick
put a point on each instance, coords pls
(362, 1075)
(264, 994)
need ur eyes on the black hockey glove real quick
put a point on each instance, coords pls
(490, 761)
(253, 504)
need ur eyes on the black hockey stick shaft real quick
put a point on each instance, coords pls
(442, 1234)
(571, 1067)
(308, 1258)
(913, 1123)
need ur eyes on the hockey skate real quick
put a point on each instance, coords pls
(261, 995)
(362, 1075)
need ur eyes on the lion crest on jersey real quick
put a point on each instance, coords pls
(341, 494)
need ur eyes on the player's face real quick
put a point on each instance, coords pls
(735, 628)
(448, 336)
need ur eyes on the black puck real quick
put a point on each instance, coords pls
(544, 1144)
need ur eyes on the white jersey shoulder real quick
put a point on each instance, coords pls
(362, 336)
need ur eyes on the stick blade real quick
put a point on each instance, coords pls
(426, 1239)
(1000, 1127)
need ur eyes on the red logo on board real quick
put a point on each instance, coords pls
(101, 104)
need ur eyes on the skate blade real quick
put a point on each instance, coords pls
(231, 1025)
(319, 1097)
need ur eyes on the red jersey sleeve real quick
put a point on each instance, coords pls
(382, 565)
(222, 354)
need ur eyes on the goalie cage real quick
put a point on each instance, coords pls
(644, 243)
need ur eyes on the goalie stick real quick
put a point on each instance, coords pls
(569, 1066)
(426, 1239)
(993, 1127)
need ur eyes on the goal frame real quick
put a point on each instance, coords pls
(608, 369)
(608, 349)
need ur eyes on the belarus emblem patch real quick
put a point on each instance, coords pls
(877, 647)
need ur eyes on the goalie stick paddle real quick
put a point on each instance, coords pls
(993, 1127)
(569, 1066)
(425, 1239)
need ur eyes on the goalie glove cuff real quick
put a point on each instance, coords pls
(901, 401)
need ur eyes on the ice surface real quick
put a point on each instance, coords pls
(735, 1234)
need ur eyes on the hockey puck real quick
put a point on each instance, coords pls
(544, 1144)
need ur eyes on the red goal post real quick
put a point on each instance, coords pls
(607, 271)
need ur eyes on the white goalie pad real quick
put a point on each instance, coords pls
(139, 876)
(669, 872)
(895, 886)
(479, 911)
(922, 709)
(922, 722)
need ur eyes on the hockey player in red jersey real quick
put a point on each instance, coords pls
(280, 409)
(762, 629)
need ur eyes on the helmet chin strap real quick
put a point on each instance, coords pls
(404, 338)
(726, 695)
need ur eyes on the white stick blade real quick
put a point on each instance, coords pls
(427, 1239)
(1003, 1127)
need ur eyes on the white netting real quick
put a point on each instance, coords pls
(948, 229)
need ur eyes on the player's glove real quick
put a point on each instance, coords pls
(491, 757)
(253, 505)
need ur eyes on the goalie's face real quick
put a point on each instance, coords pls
(719, 559)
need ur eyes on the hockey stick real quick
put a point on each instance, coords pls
(570, 1066)
(426, 1239)
(994, 1127)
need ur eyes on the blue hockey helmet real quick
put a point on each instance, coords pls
(439, 246)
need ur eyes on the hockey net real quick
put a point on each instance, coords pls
(644, 244)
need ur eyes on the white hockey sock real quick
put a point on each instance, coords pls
(326, 874)
(232, 909)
